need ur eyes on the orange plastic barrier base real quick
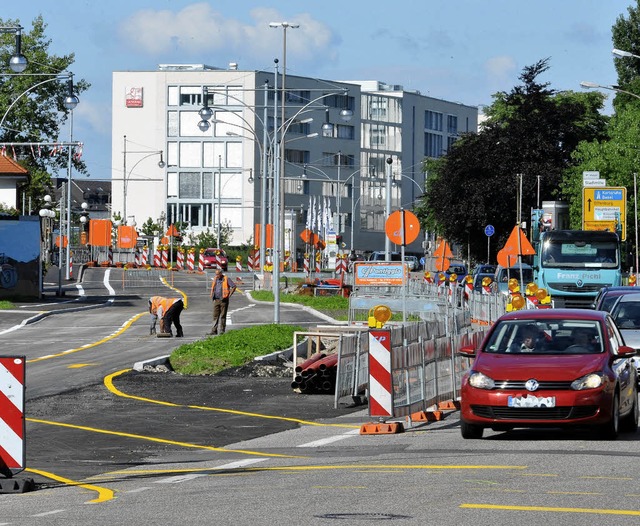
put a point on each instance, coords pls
(381, 428)
(449, 404)
(426, 416)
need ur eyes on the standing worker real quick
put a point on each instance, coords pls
(168, 310)
(221, 290)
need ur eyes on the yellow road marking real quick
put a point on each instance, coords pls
(606, 478)
(104, 494)
(159, 440)
(595, 511)
(108, 382)
(80, 365)
(123, 328)
(185, 300)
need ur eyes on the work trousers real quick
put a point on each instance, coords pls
(173, 316)
(220, 308)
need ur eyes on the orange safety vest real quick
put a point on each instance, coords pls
(225, 287)
(155, 303)
(162, 304)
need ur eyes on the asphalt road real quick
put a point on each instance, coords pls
(106, 445)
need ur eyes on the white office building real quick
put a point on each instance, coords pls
(337, 136)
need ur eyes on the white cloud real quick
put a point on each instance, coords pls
(198, 31)
(500, 69)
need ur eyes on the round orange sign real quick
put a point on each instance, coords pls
(402, 227)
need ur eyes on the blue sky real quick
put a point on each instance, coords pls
(458, 50)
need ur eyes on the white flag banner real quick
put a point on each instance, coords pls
(308, 223)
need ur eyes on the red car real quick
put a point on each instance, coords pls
(214, 258)
(551, 368)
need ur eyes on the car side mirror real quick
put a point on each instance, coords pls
(625, 351)
(467, 350)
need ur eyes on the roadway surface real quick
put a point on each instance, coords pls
(108, 445)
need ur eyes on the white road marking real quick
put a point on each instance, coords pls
(231, 465)
(329, 440)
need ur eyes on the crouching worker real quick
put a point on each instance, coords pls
(168, 311)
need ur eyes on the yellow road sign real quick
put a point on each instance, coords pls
(604, 208)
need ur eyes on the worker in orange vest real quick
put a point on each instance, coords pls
(221, 290)
(168, 310)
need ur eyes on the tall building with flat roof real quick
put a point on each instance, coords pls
(337, 138)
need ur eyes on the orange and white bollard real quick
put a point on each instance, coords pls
(165, 256)
(180, 259)
(306, 264)
(201, 260)
(238, 263)
(191, 259)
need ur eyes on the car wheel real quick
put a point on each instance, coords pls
(630, 422)
(610, 430)
(470, 431)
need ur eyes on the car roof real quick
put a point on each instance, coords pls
(514, 267)
(555, 314)
(629, 298)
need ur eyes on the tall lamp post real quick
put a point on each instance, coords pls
(70, 102)
(589, 85)
(127, 177)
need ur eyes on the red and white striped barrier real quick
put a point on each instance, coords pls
(180, 260)
(165, 257)
(380, 385)
(306, 264)
(136, 258)
(71, 264)
(239, 265)
(191, 260)
(12, 422)
(143, 256)
(156, 257)
(110, 256)
(201, 262)
(250, 261)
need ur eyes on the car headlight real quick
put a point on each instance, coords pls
(480, 381)
(590, 381)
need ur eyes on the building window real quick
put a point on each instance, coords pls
(378, 108)
(433, 120)
(297, 156)
(298, 96)
(345, 132)
(432, 145)
(452, 124)
(190, 185)
(378, 135)
(450, 141)
(172, 184)
(190, 96)
(172, 124)
(224, 96)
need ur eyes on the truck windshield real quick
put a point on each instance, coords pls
(579, 254)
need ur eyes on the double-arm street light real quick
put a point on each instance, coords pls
(589, 85)
(70, 102)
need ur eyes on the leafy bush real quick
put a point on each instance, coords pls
(231, 349)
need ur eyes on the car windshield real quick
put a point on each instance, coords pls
(507, 273)
(564, 336)
(627, 314)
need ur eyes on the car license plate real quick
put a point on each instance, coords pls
(531, 401)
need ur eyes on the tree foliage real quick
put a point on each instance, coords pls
(531, 131)
(36, 113)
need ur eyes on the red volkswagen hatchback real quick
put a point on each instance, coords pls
(550, 368)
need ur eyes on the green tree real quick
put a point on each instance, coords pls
(38, 115)
(533, 131)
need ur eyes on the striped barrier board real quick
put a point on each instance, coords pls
(12, 422)
(380, 386)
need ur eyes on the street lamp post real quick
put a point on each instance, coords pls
(387, 241)
(589, 85)
(70, 102)
(126, 177)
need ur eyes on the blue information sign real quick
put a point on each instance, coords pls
(489, 230)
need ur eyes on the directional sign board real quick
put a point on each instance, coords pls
(604, 209)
